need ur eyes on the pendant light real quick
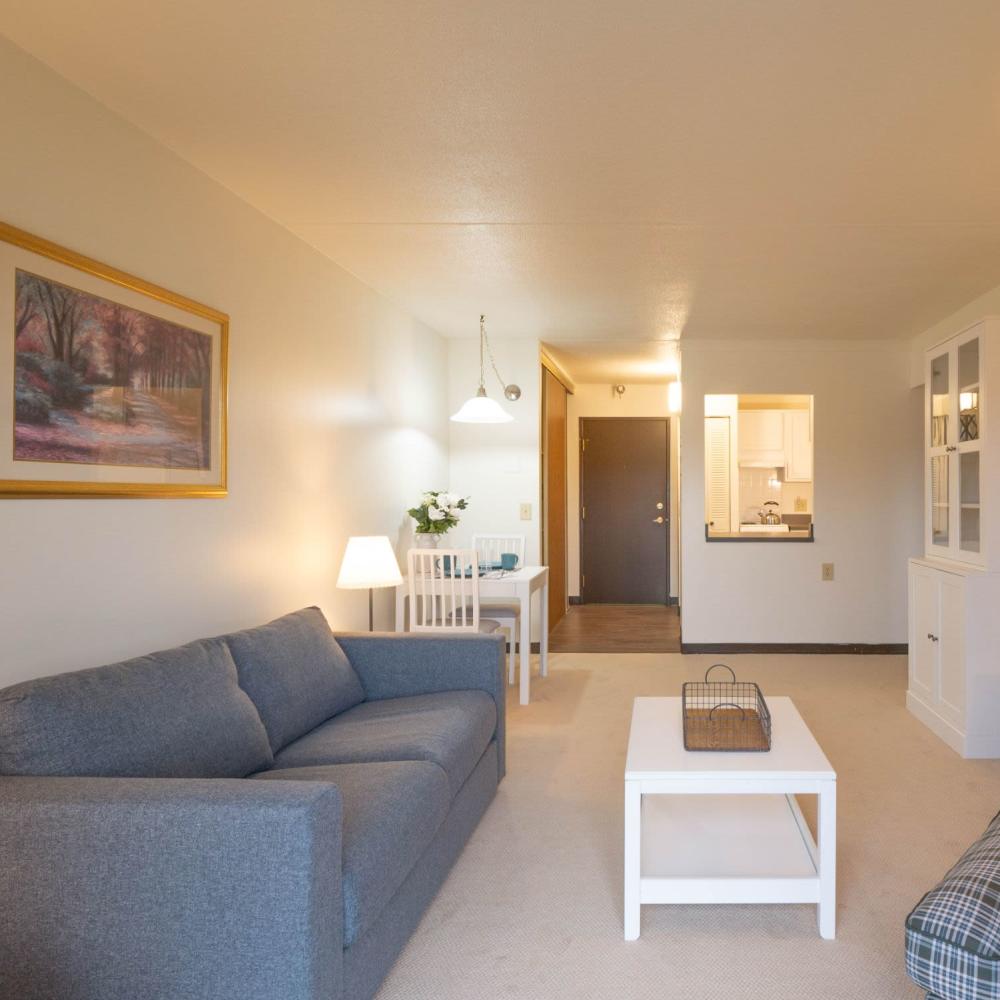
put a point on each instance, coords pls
(480, 409)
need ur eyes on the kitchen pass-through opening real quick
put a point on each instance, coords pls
(759, 467)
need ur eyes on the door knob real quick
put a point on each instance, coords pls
(659, 520)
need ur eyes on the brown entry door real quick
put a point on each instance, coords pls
(625, 509)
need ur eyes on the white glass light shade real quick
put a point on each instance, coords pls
(674, 397)
(369, 562)
(480, 409)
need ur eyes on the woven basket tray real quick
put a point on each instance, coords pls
(725, 715)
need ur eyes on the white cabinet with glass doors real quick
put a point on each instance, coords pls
(955, 435)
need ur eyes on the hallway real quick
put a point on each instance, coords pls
(618, 628)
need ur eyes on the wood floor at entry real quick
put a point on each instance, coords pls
(618, 628)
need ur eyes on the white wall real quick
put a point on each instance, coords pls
(601, 401)
(337, 416)
(867, 503)
(986, 305)
(497, 465)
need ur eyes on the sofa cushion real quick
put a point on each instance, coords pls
(296, 674)
(391, 813)
(953, 933)
(451, 728)
(175, 714)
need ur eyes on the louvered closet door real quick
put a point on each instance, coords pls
(717, 473)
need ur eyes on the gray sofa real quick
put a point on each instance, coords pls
(259, 816)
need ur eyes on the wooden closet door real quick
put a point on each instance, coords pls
(554, 398)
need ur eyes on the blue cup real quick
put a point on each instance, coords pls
(508, 560)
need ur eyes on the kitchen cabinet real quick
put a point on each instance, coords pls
(762, 438)
(798, 446)
(954, 590)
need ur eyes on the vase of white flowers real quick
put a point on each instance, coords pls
(437, 514)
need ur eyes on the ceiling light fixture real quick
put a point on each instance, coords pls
(480, 409)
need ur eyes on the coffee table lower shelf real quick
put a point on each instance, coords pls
(726, 849)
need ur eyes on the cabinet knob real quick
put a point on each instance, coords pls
(932, 637)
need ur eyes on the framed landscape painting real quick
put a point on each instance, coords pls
(113, 386)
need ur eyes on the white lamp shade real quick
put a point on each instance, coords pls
(674, 397)
(368, 562)
(481, 410)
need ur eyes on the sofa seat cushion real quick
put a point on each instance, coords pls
(953, 933)
(392, 811)
(175, 714)
(450, 728)
(295, 673)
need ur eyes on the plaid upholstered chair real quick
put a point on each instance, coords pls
(953, 933)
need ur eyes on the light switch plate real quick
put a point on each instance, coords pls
(526, 512)
(827, 572)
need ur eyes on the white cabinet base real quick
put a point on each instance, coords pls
(967, 746)
(954, 669)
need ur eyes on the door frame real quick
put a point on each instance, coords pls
(544, 456)
(666, 502)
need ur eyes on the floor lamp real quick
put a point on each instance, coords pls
(369, 562)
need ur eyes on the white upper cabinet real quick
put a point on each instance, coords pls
(798, 446)
(762, 438)
(959, 467)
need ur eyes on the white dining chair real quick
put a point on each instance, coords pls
(490, 548)
(443, 587)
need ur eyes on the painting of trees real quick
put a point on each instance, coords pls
(99, 382)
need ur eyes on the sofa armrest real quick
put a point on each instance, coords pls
(399, 665)
(163, 888)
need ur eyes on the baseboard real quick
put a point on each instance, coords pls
(670, 600)
(855, 648)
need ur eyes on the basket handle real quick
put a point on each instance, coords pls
(725, 666)
(728, 704)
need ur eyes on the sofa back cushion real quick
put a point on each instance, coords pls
(296, 673)
(175, 714)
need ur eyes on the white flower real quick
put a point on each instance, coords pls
(435, 514)
(427, 499)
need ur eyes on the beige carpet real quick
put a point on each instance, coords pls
(532, 910)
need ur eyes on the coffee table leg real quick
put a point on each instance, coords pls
(827, 830)
(633, 854)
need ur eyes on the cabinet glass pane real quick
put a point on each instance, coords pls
(968, 391)
(939, 401)
(939, 499)
(968, 472)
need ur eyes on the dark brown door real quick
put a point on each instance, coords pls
(554, 492)
(625, 510)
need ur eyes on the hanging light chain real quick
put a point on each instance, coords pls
(489, 350)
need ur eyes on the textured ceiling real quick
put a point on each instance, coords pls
(627, 171)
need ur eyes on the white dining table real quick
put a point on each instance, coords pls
(519, 585)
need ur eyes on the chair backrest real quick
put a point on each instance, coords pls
(491, 547)
(444, 590)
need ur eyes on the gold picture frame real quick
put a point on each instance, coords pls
(117, 387)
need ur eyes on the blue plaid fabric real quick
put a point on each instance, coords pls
(953, 933)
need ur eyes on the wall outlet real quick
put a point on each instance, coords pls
(526, 512)
(800, 505)
(827, 572)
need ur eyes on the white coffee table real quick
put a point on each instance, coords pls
(705, 827)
